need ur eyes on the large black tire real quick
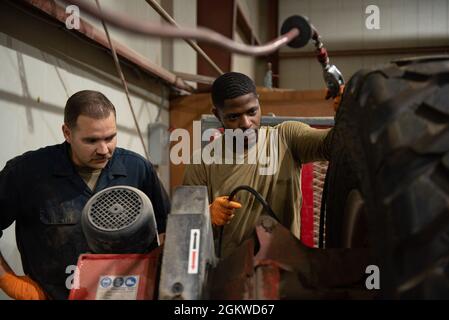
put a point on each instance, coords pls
(391, 146)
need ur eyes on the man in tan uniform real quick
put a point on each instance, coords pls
(283, 149)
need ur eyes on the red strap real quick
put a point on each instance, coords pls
(322, 55)
(307, 205)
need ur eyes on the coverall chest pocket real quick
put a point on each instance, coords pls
(60, 213)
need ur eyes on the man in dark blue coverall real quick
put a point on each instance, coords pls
(45, 190)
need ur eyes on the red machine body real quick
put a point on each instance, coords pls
(117, 276)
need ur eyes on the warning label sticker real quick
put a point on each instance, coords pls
(117, 288)
(194, 247)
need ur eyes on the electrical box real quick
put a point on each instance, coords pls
(158, 143)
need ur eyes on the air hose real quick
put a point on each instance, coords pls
(259, 198)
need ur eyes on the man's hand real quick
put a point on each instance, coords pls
(337, 99)
(222, 210)
(21, 287)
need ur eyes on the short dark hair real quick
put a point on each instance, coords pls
(231, 85)
(89, 103)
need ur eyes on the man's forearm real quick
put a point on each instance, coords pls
(327, 144)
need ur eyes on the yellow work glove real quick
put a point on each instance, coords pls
(21, 287)
(222, 210)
